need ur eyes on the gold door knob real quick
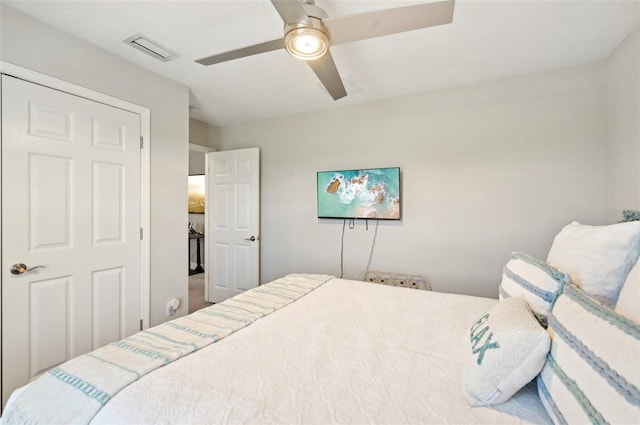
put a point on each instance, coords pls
(20, 268)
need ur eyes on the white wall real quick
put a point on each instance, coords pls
(202, 134)
(34, 45)
(623, 127)
(486, 170)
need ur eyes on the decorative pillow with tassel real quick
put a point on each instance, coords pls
(598, 258)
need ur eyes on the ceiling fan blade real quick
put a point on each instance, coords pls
(325, 69)
(241, 53)
(379, 23)
(291, 11)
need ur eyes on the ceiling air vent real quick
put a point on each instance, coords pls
(153, 49)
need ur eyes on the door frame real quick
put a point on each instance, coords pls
(145, 162)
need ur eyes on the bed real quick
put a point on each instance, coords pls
(338, 351)
(346, 352)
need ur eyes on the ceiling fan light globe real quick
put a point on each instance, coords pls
(306, 43)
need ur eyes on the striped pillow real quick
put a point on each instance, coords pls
(534, 280)
(592, 374)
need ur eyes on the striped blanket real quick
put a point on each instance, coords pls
(74, 392)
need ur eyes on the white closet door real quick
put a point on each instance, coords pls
(71, 203)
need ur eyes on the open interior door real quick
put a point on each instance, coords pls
(232, 224)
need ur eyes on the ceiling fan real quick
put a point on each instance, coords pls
(309, 31)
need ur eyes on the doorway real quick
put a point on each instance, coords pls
(197, 266)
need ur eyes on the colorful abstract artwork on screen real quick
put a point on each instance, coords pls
(368, 193)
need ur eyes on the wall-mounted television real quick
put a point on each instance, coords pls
(370, 193)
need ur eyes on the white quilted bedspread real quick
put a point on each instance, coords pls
(349, 352)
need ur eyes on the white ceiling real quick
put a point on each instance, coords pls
(487, 40)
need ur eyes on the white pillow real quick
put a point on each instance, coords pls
(506, 349)
(592, 373)
(628, 303)
(598, 258)
(533, 280)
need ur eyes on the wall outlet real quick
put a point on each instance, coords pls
(172, 306)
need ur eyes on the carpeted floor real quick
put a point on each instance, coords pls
(196, 293)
